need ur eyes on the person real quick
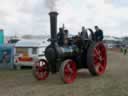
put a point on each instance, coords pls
(98, 34)
(84, 34)
(66, 37)
(60, 37)
(121, 49)
(5, 57)
(125, 51)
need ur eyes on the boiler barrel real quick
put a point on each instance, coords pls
(69, 51)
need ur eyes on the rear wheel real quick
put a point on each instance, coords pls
(97, 58)
(40, 70)
(68, 71)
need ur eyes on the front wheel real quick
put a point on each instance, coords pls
(68, 71)
(97, 58)
(40, 69)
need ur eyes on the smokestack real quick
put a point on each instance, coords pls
(53, 25)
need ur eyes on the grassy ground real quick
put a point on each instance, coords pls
(113, 83)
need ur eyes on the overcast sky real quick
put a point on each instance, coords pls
(31, 16)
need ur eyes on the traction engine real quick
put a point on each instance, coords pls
(68, 55)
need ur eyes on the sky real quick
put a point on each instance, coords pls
(31, 16)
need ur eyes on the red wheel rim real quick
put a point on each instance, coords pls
(70, 71)
(41, 70)
(100, 58)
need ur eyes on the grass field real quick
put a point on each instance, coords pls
(113, 83)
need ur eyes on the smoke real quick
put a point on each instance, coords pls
(51, 4)
(108, 1)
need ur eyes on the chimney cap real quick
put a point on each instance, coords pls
(53, 12)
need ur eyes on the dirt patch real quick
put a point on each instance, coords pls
(114, 49)
(113, 83)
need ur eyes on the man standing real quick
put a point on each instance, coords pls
(125, 50)
(84, 34)
(60, 37)
(98, 34)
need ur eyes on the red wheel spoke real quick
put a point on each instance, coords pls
(103, 60)
(66, 71)
(96, 60)
(97, 52)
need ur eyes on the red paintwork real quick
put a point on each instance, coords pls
(28, 59)
(100, 59)
(70, 72)
(41, 72)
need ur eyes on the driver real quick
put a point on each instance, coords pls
(98, 34)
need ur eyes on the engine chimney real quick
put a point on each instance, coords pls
(53, 26)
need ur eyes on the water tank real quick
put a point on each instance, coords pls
(1, 36)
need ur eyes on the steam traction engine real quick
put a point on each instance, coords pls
(67, 58)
